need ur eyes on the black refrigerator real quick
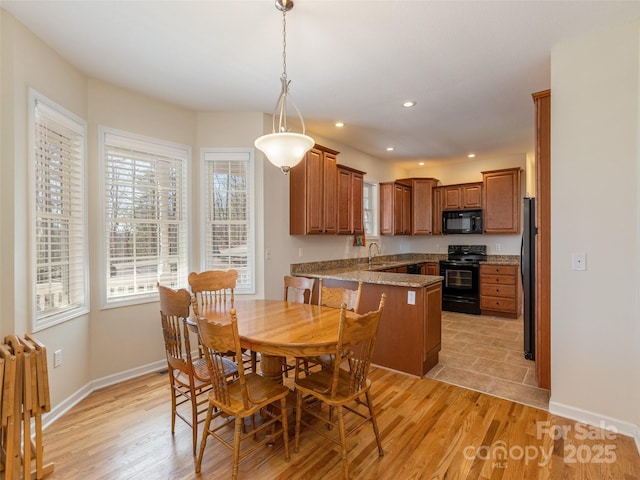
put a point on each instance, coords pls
(527, 270)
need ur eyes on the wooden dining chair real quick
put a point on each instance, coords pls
(342, 388)
(298, 290)
(334, 298)
(242, 398)
(216, 287)
(189, 378)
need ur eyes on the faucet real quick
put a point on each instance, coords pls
(377, 250)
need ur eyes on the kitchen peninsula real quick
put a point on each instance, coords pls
(409, 335)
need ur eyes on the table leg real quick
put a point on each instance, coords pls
(271, 367)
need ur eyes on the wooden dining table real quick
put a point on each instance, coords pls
(278, 329)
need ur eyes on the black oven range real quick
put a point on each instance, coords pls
(461, 272)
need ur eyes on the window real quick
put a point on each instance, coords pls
(145, 216)
(59, 219)
(228, 224)
(370, 209)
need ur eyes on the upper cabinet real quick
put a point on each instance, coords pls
(395, 209)
(350, 200)
(501, 198)
(313, 192)
(462, 196)
(421, 204)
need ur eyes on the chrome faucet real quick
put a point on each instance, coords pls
(377, 250)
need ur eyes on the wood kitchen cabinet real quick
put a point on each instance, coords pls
(430, 268)
(501, 199)
(438, 193)
(499, 290)
(395, 209)
(421, 204)
(313, 193)
(350, 200)
(462, 196)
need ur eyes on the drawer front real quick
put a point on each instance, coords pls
(499, 269)
(498, 279)
(494, 290)
(495, 303)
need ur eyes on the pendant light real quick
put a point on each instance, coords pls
(283, 148)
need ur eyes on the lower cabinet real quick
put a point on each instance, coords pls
(500, 290)
(430, 268)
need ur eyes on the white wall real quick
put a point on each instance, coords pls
(595, 340)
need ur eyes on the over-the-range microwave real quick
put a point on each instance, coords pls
(462, 221)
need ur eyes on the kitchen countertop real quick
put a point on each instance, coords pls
(359, 269)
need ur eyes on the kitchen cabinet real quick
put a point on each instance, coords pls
(421, 204)
(462, 196)
(410, 335)
(430, 268)
(499, 290)
(395, 209)
(501, 200)
(313, 188)
(437, 211)
(350, 200)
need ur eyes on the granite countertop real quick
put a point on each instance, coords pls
(380, 278)
(359, 269)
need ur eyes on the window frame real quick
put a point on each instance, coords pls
(237, 154)
(374, 190)
(75, 123)
(162, 147)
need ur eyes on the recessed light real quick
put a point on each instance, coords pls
(471, 155)
(339, 124)
(409, 103)
(390, 149)
(421, 164)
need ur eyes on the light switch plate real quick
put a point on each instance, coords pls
(411, 297)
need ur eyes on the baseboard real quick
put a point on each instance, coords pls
(591, 418)
(69, 402)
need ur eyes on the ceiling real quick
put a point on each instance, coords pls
(471, 66)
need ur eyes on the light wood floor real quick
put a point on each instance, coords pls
(486, 353)
(429, 430)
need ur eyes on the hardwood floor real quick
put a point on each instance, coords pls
(485, 353)
(429, 429)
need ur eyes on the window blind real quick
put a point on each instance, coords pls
(145, 205)
(59, 226)
(228, 227)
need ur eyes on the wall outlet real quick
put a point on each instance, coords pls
(267, 254)
(300, 252)
(57, 358)
(498, 247)
(579, 261)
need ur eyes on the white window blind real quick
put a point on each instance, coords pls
(145, 205)
(228, 228)
(370, 209)
(59, 218)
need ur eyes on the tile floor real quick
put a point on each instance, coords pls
(485, 353)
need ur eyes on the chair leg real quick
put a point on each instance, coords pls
(296, 440)
(205, 434)
(194, 419)
(236, 447)
(343, 442)
(173, 408)
(285, 427)
(374, 423)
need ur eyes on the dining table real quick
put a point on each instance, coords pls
(277, 329)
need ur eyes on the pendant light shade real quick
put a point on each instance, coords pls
(283, 148)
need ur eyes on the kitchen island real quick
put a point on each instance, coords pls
(409, 335)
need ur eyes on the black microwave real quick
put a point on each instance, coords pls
(462, 221)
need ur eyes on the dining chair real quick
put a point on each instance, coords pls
(342, 388)
(242, 398)
(189, 378)
(216, 287)
(298, 290)
(334, 298)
